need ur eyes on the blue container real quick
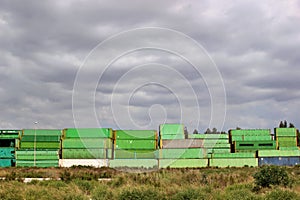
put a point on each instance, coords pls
(279, 161)
(6, 162)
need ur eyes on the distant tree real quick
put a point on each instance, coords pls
(208, 131)
(238, 128)
(281, 125)
(285, 124)
(223, 132)
(195, 131)
(214, 131)
(291, 125)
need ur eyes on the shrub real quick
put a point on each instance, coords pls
(189, 194)
(102, 193)
(139, 194)
(271, 175)
(282, 195)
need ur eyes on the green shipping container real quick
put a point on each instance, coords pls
(136, 135)
(259, 145)
(48, 132)
(40, 145)
(134, 163)
(40, 138)
(250, 132)
(285, 132)
(233, 162)
(87, 143)
(38, 155)
(37, 163)
(134, 154)
(88, 133)
(181, 153)
(136, 144)
(251, 138)
(209, 136)
(172, 137)
(171, 129)
(183, 163)
(216, 146)
(234, 155)
(279, 153)
(86, 153)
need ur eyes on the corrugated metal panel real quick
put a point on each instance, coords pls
(278, 153)
(37, 163)
(134, 163)
(280, 161)
(89, 143)
(233, 162)
(49, 132)
(234, 155)
(183, 163)
(285, 132)
(209, 136)
(41, 138)
(83, 162)
(86, 153)
(288, 148)
(136, 144)
(88, 133)
(40, 145)
(136, 134)
(251, 138)
(250, 132)
(182, 143)
(172, 137)
(134, 154)
(181, 153)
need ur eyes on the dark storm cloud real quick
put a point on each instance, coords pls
(254, 44)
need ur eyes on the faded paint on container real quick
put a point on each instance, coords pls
(182, 143)
(182, 153)
(98, 163)
(233, 162)
(183, 163)
(134, 163)
(134, 154)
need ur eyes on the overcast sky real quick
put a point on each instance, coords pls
(247, 63)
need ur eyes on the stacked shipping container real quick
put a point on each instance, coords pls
(179, 152)
(286, 138)
(87, 147)
(9, 141)
(135, 148)
(39, 148)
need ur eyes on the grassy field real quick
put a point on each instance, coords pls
(82, 183)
